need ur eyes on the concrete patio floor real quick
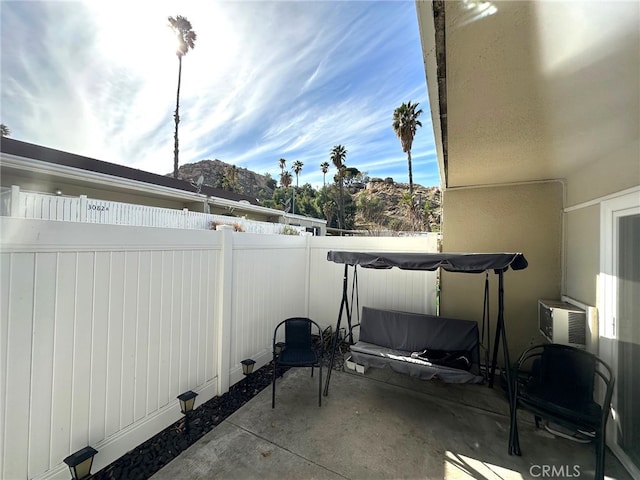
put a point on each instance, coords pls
(380, 425)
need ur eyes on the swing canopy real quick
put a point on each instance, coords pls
(451, 262)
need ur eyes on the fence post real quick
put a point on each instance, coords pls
(224, 309)
(83, 208)
(185, 217)
(308, 237)
(15, 201)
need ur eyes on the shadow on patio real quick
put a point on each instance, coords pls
(379, 425)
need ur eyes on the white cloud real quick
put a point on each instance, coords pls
(265, 80)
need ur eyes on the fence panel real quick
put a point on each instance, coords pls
(103, 326)
(48, 207)
(269, 285)
(100, 340)
(5, 201)
(51, 207)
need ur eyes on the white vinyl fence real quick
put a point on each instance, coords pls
(102, 326)
(20, 204)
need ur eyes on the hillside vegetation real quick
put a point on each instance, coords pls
(219, 174)
(382, 205)
(377, 205)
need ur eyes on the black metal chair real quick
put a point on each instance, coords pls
(558, 383)
(298, 350)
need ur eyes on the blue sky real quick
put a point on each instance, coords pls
(266, 80)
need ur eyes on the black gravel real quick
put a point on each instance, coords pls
(146, 459)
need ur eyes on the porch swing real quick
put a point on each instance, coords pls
(387, 326)
(347, 338)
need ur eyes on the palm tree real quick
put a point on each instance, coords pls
(230, 179)
(297, 168)
(4, 130)
(283, 165)
(186, 40)
(405, 123)
(285, 179)
(324, 166)
(338, 154)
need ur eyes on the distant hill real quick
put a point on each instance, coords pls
(391, 213)
(393, 216)
(213, 171)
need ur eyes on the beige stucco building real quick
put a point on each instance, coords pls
(536, 109)
(35, 168)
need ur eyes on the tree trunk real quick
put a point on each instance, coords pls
(341, 209)
(176, 116)
(295, 190)
(410, 174)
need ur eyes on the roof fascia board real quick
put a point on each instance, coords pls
(223, 202)
(434, 55)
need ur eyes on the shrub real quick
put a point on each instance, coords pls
(289, 230)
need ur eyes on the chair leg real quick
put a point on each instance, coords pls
(600, 451)
(320, 386)
(312, 371)
(510, 444)
(514, 441)
(273, 390)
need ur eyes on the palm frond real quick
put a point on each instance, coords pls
(184, 32)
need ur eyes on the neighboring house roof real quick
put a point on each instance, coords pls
(48, 164)
(58, 157)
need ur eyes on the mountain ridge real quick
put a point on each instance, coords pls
(214, 171)
(379, 202)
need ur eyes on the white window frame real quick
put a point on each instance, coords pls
(627, 203)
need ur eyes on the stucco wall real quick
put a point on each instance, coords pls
(76, 188)
(582, 254)
(589, 71)
(542, 90)
(520, 218)
(615, 170)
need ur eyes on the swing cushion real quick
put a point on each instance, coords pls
(404, 341)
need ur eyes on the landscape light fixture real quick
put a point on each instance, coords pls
(247, 366)
(187, 400)
(280, 347)
(80, 463)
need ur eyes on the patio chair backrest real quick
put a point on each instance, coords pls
(297, 332)
(568, 371)
(559, 389)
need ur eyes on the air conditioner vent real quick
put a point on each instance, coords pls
(577, 331)
(561, 322)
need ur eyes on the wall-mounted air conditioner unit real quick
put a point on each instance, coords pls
(561, 322)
